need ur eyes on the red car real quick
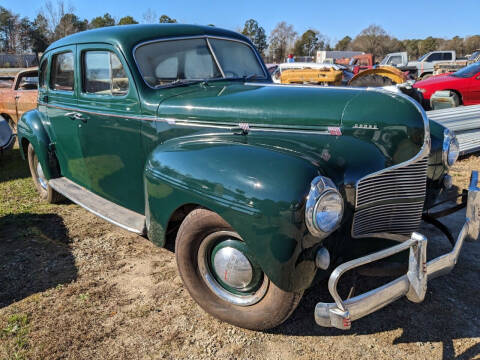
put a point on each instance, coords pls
(465, 83)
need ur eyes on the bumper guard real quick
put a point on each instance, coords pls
(413, 284)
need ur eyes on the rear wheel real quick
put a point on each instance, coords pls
(41, 183)
(222, 277)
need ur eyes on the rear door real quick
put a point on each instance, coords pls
(61, 104)
(110, 126)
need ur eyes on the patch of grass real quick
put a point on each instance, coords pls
(83, 297)
(18, 193)
(15, 336)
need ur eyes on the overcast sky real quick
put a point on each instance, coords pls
(335, 19)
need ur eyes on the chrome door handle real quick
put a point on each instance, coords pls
(76, 116)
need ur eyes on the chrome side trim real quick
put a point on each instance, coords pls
(413, 284)
(192, 123)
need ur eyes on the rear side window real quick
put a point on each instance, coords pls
(42, 75)
(103, 74)
(61, 74)
(447, 56)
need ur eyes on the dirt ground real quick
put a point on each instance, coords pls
(73, 286)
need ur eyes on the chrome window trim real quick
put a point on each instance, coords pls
(215, 57)
(65, 92)
(206, 37)
(88, 95)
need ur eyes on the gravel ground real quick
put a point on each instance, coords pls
(75, 287)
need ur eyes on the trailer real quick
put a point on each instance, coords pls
(465, 121)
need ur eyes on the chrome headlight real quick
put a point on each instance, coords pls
(324, 208)
(451, 149)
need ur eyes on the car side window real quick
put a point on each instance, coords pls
(42, 75)
(395, 60)
(447, 56)
(435, 57)
(62, 72)
(28, 81)
(103, 74)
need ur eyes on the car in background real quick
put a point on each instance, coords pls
(18, 94)
(464, 84)
(277, 72)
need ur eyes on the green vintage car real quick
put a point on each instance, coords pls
(177, 133)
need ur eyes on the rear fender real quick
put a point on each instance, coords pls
(30, 128)
(259, 192)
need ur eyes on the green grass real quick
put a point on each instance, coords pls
(17, 191)
(14, 336)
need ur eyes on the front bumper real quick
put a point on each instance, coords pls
(413, 284)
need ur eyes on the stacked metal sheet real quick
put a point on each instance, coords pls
(465, 121)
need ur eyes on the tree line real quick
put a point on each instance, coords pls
(56, 20)
(374, 39)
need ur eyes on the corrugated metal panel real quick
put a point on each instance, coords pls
(465, 121)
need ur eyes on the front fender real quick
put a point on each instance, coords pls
(259, 192)
(30, 127)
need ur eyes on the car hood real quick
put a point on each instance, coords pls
(433, 80)
(259, 104)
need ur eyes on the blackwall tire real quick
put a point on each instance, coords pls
(45, 191)
(274, 306)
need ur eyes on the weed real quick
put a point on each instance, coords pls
(83, 297)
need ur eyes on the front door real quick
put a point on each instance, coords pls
(61, 102)
(26, 92)
(474, 89)
(110, 130)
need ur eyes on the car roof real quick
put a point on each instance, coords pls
(127, 36)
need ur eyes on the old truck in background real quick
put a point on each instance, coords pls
(423, 68)
(20, 96)
(452, 66)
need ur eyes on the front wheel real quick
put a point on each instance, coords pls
(222, 277)
(41, 183)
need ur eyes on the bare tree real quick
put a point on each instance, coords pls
(150, 17)
(371, 40)
(281, 41)
(55, 12)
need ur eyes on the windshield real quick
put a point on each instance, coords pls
(468, 71)
(474, 55)
(423, 57)
(169, 62)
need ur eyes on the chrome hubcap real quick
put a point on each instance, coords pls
(233, 267)
(227, 270)
(40, 176)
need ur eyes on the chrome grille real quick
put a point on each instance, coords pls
(391, 201)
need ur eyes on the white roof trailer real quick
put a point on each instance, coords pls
(330, 56)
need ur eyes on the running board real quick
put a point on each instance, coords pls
(107, 210)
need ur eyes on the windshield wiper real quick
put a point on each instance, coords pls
(183, 82)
